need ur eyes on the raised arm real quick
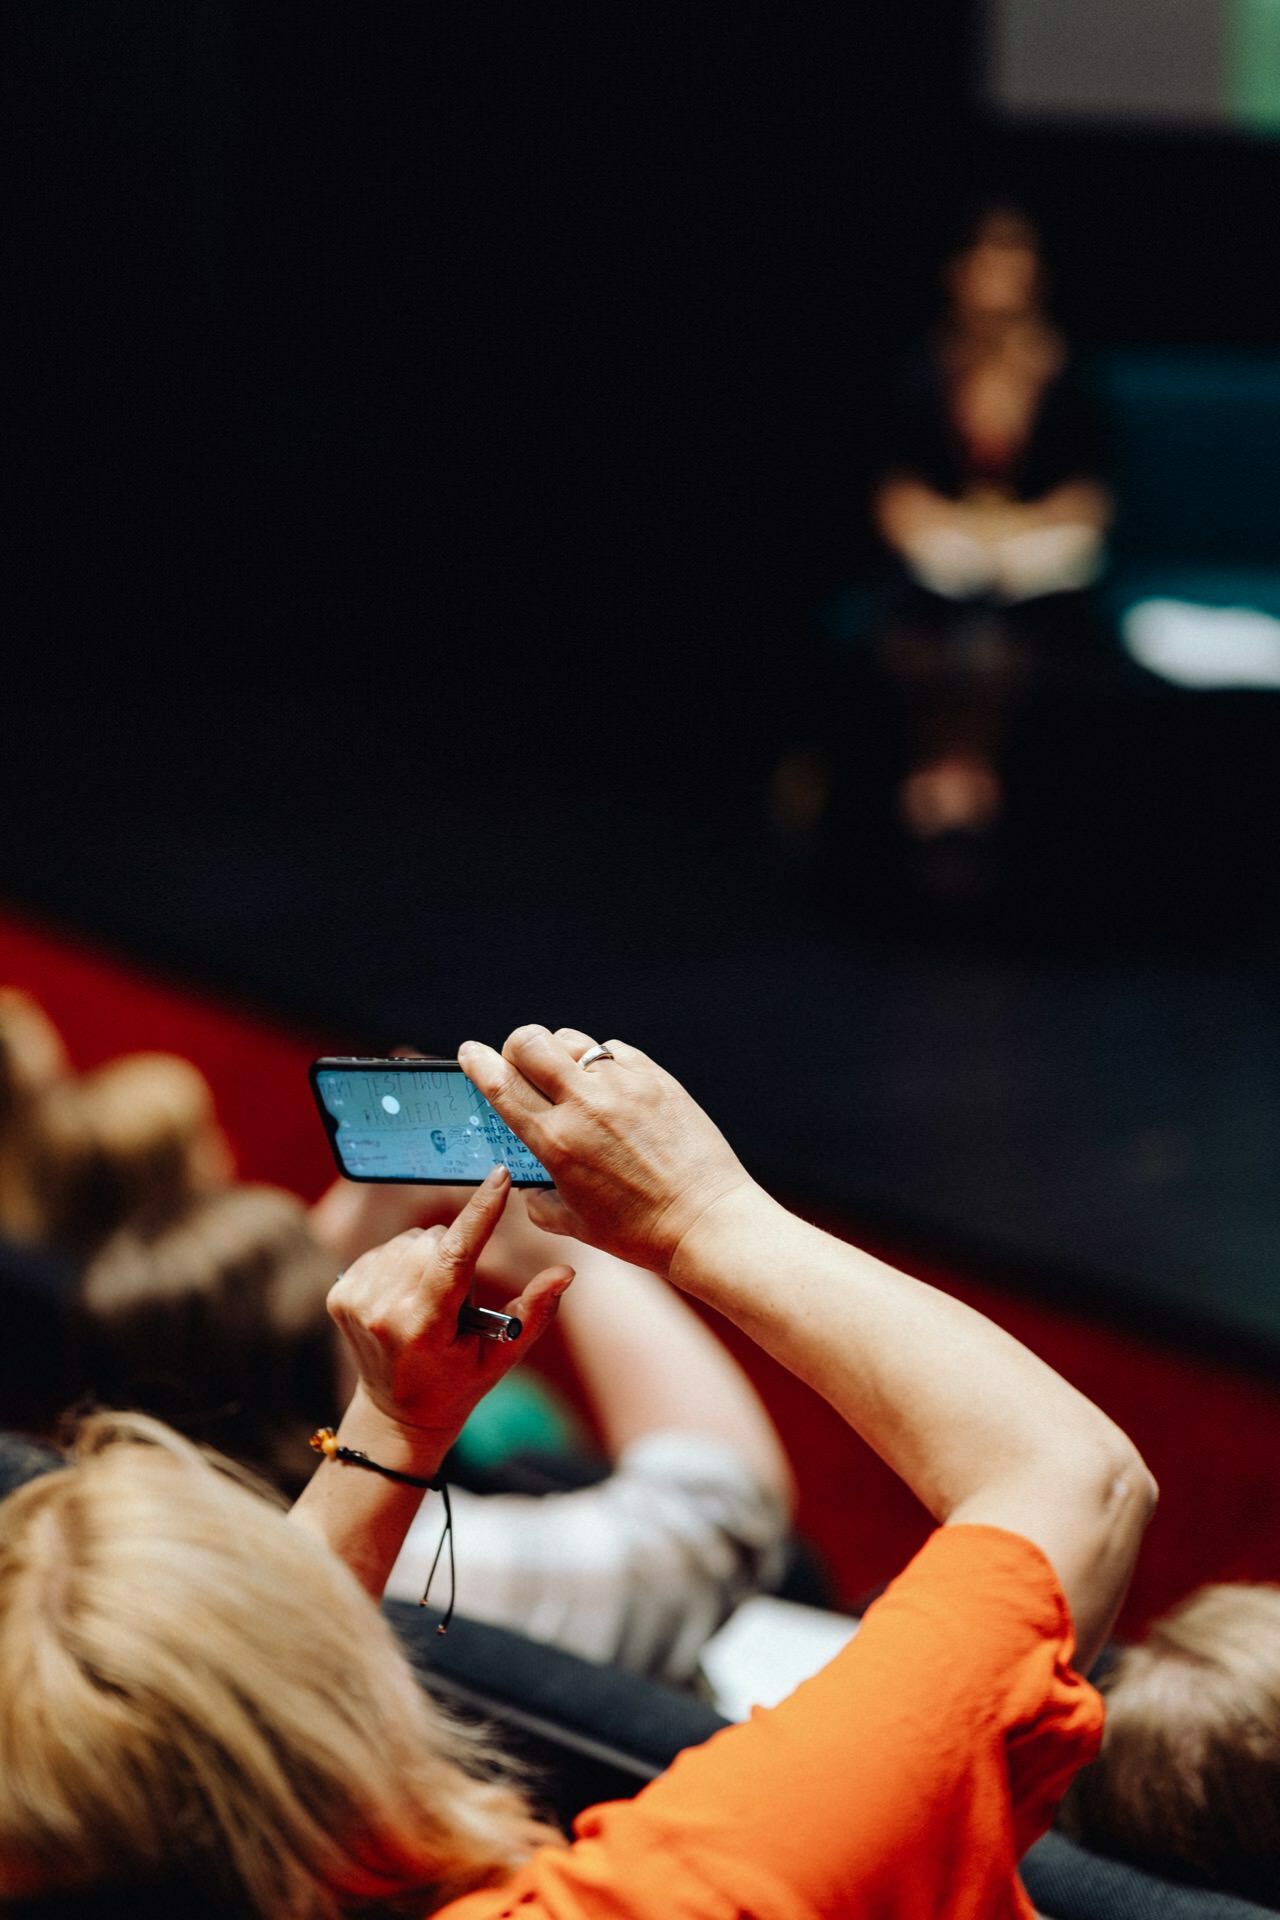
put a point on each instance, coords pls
(417, 1376)
(647, 1362)
(977, 1426)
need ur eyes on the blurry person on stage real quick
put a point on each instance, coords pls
(993, 499)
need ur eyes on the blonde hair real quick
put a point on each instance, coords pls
(217, 1323)
(1188, 1781)
(120, 1143)
(195, 1691)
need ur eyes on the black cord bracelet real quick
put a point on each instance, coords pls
(324, 1440)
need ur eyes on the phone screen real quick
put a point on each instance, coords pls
(416, 1121)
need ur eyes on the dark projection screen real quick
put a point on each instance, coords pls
(1192, 63)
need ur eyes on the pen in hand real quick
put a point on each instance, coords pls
(494, 1326)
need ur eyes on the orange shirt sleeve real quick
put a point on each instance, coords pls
(903, 1781)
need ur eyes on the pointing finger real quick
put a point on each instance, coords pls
(455, 1253)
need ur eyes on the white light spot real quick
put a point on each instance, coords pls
(390, 1103)
(1201, 646)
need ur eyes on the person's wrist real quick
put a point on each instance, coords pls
(394, 1442)
(706, 1239)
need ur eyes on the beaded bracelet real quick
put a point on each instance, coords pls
(324, 1440)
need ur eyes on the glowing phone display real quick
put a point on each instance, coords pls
(416, 1120)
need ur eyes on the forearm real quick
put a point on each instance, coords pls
(420, 1374)
(350, 1217)
(646, 1361)
(976, 1425)
(649, 1365)
(896, 1358)
(361, 1515)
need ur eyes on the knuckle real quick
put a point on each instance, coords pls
(503, 1083)
(521, 1036)
(406, 1242)
(451, 1254)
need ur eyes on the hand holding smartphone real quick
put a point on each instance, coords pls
(418, 1121)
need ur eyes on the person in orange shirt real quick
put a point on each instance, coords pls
(196, 1695)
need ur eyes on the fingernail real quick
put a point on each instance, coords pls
(497, 1177)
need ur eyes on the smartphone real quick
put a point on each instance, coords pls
(420, 1121)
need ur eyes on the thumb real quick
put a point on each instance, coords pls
(535, 1308)
(547, 1210)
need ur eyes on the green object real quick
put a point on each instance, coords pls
(1253, 64)
(521, 1415)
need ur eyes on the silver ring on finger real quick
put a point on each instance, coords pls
(593, 1054)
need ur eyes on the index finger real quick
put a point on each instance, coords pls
(460, 1246)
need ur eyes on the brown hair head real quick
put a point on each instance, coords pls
(1188, 1781)
(216, 1322)
(32, 1056)
(129, 1142)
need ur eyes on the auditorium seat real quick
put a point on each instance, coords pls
(1066, 1883)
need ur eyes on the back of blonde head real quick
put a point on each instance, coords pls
(1188, 1782)
(194, 1691)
